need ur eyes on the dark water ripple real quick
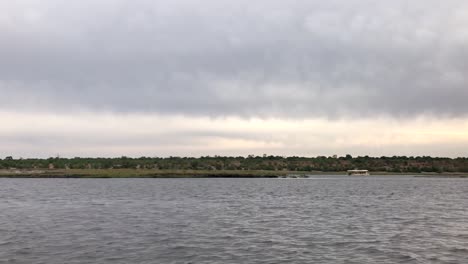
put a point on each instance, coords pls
(322, 220)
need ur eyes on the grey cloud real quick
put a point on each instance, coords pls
(222, 58)
(162, 139)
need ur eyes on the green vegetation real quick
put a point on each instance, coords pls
(136, 173)
(219, 166)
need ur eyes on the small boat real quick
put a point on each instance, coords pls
(294, 176)
(358, 173)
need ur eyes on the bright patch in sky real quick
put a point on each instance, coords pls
(91, 134)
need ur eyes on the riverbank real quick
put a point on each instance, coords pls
(147, 173)
(142, 173)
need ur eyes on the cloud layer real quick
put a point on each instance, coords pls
(225, 77)
(275, 59)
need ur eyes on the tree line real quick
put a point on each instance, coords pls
(251, 162)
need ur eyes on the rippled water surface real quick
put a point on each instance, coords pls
(321, 220)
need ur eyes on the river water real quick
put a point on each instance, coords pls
(326, 219)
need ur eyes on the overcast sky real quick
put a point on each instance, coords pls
(233, 77)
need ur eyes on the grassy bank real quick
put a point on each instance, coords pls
(149, 173)
(134, 173)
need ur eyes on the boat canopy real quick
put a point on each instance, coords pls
(358, 172)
